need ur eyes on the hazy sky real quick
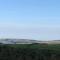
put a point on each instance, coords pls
(30, 19)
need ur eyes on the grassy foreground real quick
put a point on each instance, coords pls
(30, 52)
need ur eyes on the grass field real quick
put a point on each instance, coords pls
(29, 46)
(48, 46)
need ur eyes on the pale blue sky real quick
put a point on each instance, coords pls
(30, 19)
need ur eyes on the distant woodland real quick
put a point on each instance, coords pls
(30, 52)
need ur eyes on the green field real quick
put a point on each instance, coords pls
(48, 46)
(29, 46)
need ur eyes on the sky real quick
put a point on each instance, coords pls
(30, 19)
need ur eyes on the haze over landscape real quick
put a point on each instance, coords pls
(30, 19)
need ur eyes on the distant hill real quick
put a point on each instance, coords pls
(20, 41)
(27, 41)
(54, 42)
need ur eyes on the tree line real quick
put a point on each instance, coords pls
(10, 53)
